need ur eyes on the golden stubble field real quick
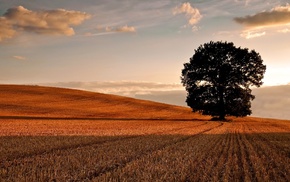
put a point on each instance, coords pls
(53, 134)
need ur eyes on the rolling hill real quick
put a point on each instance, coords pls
(38, 101)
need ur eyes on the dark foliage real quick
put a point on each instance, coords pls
(218, 79)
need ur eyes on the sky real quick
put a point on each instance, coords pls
(133, 47)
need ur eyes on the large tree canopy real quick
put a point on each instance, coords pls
(218, 79)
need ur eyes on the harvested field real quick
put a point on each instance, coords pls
(65, 138)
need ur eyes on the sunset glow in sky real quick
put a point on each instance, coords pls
(98, 40)
(137, 48)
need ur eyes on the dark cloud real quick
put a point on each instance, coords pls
(277, 16)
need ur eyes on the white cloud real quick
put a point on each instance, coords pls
(248, 34)
(117, 29)
(192, 14)
(128, 88)
(51, 22)
(89, 34)
(125, 28)
(285, 30)
(6, 29)
(19, 57)
(285, 8)
(247, 2)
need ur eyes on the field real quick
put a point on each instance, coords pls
(53, 134)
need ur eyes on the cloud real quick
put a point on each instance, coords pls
(192, 14)
(128, 88)
(89, 34)
(175, 97)
(19, 57)
(270, 102)
(50, 22)
(121, 29)
(6, 29)
(125, 29)
(252, 34)
(285, 30)
(276, 17)
(279, 15)
(247, 2)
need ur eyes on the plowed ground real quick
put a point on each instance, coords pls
(79, 140)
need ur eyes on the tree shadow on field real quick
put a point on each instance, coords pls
(221, 120)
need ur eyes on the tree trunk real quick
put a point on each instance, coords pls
(222, 117)
(222, 113)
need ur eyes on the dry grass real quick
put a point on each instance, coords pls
(68, 135)
(56, 102)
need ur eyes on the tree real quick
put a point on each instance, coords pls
(218, 79)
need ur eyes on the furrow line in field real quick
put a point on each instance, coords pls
(62, 165)
(221, 149)
(186, 156)
(245, 172)
(272, 159)
(79, 146)
(248, 156)
(63, 148)
(226, 168)
(239, 165)
(266, 139)
(254, 159)
(146, 153)
(273, 163)
(281, 150)
(177, 129)
(264, 160)
(77, 154)
(205, 161)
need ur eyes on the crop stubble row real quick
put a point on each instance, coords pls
(25, 146)
(204, 152)
(110, 153)
(237, 154)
